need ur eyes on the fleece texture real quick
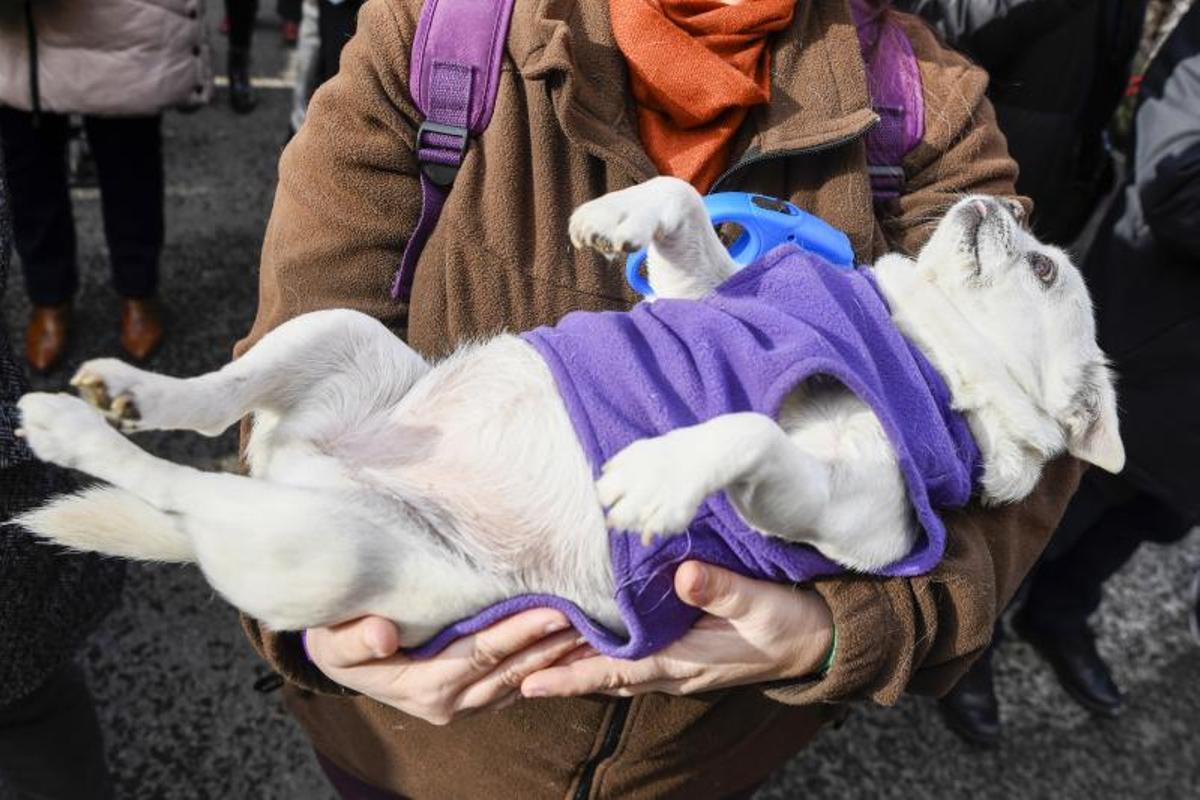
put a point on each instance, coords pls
(500, 259)
(672, 364)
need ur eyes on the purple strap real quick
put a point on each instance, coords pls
(894, 81)
(453, 78)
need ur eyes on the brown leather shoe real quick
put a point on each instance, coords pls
(46, 336)
(141, 327)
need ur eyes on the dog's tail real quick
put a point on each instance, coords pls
(111, 521)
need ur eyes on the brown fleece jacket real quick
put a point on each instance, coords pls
(563, 133)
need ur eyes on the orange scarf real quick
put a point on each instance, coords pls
(696, 67)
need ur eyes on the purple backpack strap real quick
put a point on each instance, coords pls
(454, 76)
(453, 79)
(894, 81)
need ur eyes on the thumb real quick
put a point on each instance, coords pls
(714, 590)
(352, 643)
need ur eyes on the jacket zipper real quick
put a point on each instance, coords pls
(612, 737)
(612, 733)
(816, 148)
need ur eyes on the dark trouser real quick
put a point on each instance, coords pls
(50, 745)
(241, 15)
(128, 154)
(1106, 522)
(289, 10)
(336, 26)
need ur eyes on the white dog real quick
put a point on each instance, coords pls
(423, 493)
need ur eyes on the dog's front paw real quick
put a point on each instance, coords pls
(118, 390)
(63, 430)
(648, 488)
(629, 220)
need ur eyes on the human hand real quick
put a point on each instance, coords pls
(753, 631)
(478, 671)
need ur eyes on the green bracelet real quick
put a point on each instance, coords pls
(827, 664)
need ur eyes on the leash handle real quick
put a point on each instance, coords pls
(766, 223)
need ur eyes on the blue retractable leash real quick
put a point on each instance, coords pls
(766, 223)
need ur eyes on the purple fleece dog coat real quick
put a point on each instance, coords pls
(673, 363)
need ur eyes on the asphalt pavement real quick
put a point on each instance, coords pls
(173, 675)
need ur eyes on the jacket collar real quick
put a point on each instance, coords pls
(818, 83)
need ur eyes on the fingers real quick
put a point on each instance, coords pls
(482, 653)
(483, 669)
(352, 643)
(477, 671)
(578, 654)
(505, 679)
(593, 675)
(717, 591)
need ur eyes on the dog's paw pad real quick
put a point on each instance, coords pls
(92, 389)
(119, 390)
(602, 243)
(125, 409)
(613, 224)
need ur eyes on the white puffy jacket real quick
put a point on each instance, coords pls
(105, 57)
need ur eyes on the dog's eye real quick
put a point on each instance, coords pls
(1044, 268)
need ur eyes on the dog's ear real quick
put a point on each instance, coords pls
(1092, 427)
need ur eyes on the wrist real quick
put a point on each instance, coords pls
(816, 639)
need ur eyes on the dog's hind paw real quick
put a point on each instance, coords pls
(92, 389)
(115, 389)
(63, 430)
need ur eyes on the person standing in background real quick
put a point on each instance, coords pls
(240, 16)
(1141, 269)
(119, 63)
(1144, 272)
(1055, 128)
(50, 743)
(289, 12)
(308, 66)
(325, 27)
(336, 23)
(238, 25)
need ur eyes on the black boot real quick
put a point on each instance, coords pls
(1080, 670)
(241, 93)
(970, 709)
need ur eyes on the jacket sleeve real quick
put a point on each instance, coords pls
(347, 198)
(1167, 159)
(921, 634)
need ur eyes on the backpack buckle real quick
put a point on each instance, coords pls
(886, 182)
(442, 173)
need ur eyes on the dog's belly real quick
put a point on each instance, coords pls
(832, 424)
(502, 464)
(867, 520)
